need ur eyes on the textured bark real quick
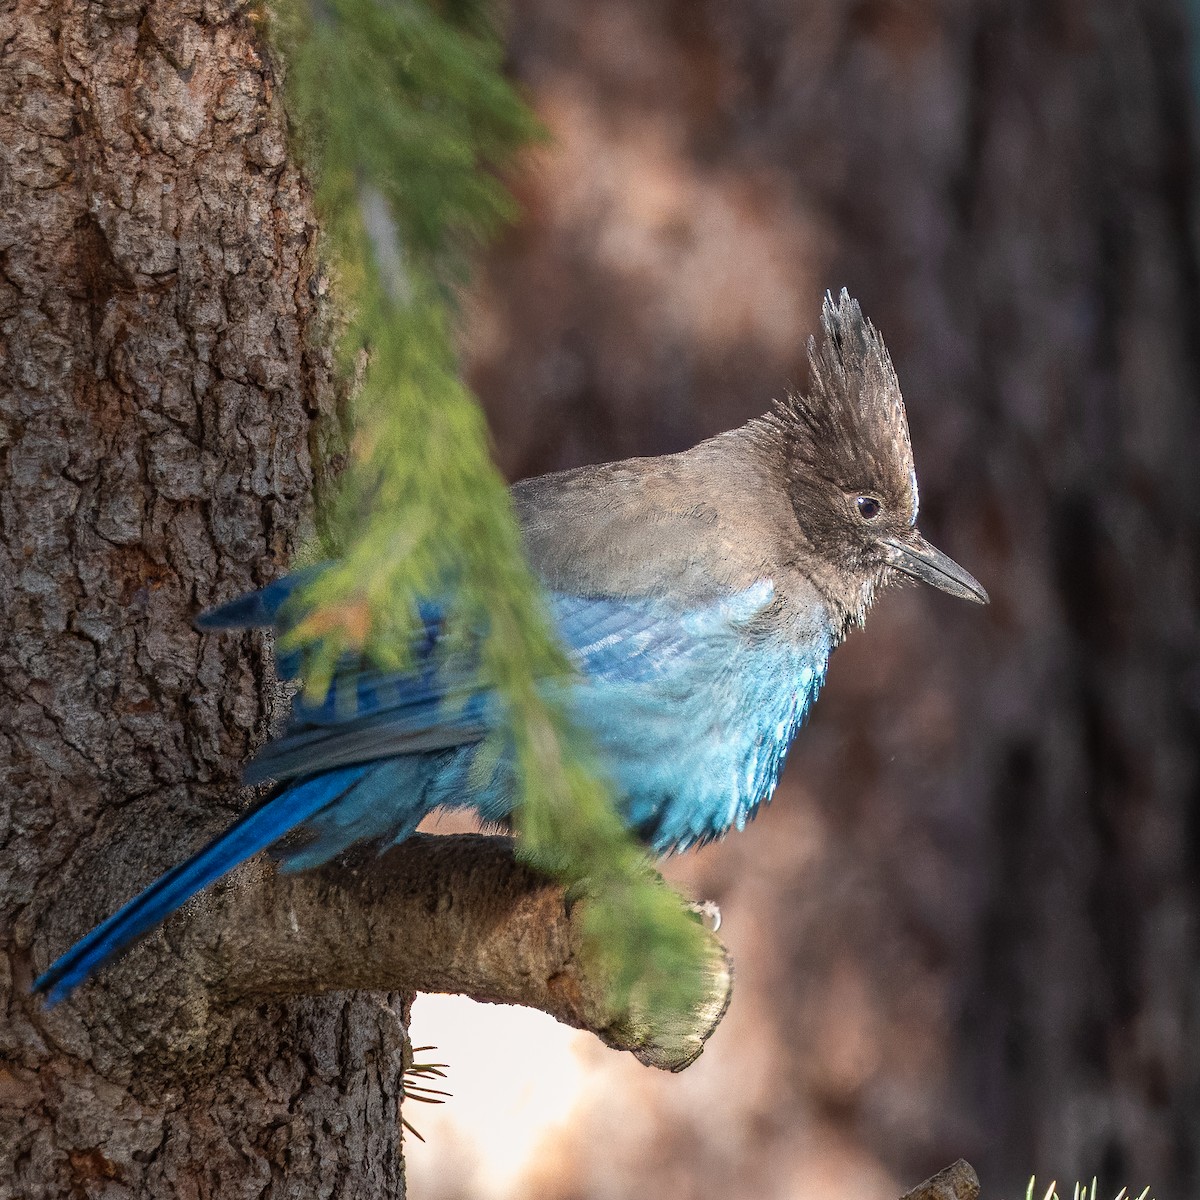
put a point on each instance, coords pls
(156, 404)
(958, 1181)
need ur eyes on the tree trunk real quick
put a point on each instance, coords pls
(158, 390)
(980, 876)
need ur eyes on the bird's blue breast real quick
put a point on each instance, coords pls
(694, 740)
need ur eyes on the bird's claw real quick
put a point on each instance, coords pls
(708, 912)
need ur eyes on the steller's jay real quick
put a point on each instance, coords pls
(699, 594)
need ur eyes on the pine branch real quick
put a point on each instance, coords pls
(402, 114)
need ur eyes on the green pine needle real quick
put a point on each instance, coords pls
(415, 1085)
(1081, 1191)
(403, 116)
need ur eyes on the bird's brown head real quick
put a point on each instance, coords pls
(848, 466)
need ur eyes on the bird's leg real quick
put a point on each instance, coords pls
(708, 912)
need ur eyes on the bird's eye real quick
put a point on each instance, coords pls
(868, 507)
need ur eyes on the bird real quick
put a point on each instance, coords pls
(699, 596)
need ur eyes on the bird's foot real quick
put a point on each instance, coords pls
(708, 912)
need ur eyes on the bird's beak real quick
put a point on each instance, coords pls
(913, 555)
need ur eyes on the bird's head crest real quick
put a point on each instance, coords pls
(850, 430)
(845, 459)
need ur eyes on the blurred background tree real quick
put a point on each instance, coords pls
(968, 923)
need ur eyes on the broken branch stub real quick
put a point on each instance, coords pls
(453, 913)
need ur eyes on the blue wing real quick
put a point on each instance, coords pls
(369, 714)
(691, 710)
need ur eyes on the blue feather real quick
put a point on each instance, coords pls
(255, 609)
(255, 831)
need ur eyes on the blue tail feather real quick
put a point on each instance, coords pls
(255, 609)
(257, 830)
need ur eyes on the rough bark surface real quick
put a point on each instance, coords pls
(157, 390)
(958, 1181)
